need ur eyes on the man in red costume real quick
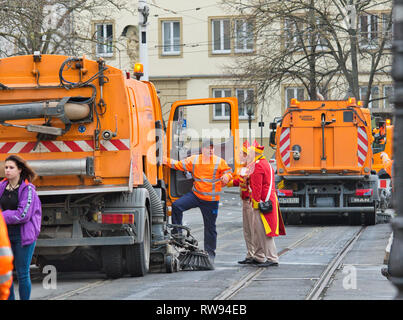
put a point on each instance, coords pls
(242, 181)
(266, 225)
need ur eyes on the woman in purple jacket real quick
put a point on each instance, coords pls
(22, 212)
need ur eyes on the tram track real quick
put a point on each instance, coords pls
(320, 286)
(322, 281)
(315, 293)
(231, 291)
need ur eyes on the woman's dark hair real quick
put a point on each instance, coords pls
(26, 171)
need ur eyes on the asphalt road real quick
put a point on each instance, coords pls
(305, 251)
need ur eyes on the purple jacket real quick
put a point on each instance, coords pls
(28, 213)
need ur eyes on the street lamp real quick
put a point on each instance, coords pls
(395, 265)
(249, 112)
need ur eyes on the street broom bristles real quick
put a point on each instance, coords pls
(191, 258)
(194, 260)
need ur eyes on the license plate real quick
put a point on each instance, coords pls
(288, 200)
(360, 200)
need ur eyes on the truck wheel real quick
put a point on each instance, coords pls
(138, 254)
(112, 261)
(293, 218)
(370, 218)
(354, 218)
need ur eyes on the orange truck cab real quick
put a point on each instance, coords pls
(324, 161)
(96, 139)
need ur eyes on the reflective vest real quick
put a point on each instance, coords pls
(206, 174)
(6, 261)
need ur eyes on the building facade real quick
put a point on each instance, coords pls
(192, 45)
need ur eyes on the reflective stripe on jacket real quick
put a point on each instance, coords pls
(6, 261)
(206, 174)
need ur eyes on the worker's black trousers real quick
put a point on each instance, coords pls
(209, 210)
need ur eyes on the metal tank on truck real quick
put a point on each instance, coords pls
(324, 161)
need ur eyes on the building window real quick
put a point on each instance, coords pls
(368, 31)
(387, 29)
(171, 37)
(293, 34)
(221, 111)
(388, 94)
(246, 102)
(293, 92)
(319, 40)
(373, 98)
(104, 39)
(221, 35)
(243, 35)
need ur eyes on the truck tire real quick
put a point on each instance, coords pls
(354, 218)
(112, 261)
(370, 218)
(293, 218)
(138, 254)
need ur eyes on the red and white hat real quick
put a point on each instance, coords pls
(256, 147)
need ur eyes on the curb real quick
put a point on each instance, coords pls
(387, 250)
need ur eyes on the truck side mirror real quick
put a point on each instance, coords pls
(272, 139)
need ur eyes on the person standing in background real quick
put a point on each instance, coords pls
(22, 212)
(242, 181)
(266, 226)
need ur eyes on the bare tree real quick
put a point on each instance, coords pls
(52, 26)
(322, 45)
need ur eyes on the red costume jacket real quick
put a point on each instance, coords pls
(260, 178)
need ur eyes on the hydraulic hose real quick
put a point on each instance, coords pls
(156, 209)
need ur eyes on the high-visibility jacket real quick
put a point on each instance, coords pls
(379, 134)
(6, 261)
(206, 174)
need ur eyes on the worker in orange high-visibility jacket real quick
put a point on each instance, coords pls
(379, 133)
(266, 225)
(6, 261)
(209, 173)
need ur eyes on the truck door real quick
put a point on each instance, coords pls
(191, 121)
